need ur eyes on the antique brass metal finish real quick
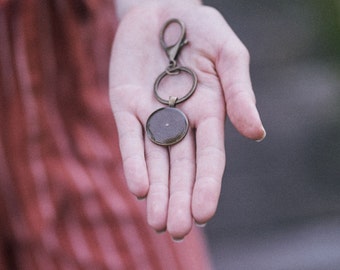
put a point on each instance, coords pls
(169, 125)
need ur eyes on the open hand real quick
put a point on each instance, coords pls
(182, 183)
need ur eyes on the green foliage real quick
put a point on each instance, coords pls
(328, 16)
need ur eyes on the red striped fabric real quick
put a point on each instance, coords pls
(63, 200)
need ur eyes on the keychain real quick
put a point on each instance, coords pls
(169, 125)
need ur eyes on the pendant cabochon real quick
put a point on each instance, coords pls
(167, 126)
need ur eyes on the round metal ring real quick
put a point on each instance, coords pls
(172, 72)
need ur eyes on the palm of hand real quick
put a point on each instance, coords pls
(182, 183)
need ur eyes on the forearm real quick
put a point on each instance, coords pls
(123, 6)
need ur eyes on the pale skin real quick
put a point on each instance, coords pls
(181, 183)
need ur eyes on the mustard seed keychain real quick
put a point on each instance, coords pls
(169, 125)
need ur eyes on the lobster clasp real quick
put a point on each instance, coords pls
(172, 51)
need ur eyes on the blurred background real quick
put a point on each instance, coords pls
(280, 203)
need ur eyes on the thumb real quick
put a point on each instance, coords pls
(233, 70)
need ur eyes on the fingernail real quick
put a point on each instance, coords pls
(263, 136)
(161, 231)
(177, 240)
(200, 225)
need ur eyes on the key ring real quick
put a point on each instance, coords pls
(169, 125)
(173, 72)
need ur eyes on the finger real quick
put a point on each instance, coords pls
(157, 159)
(182, 174)
(210, 167)
(233, 70)
(131, 144)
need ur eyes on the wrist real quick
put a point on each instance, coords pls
(124, 6)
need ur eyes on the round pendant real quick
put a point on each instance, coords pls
(167, 126)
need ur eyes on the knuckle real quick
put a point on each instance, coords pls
(244, 52)
(240, 52)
